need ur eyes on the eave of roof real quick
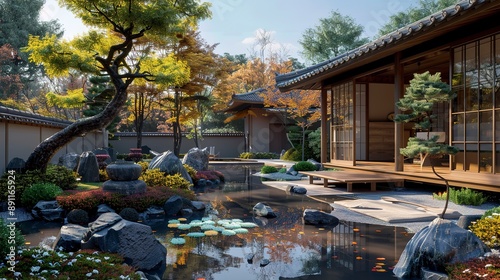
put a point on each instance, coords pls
(307, 77)
(245, 100)
(14, 115)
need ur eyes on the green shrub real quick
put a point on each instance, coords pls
(60, 176)
(191, 171)
(304, 166)
(144, 165)
(463, 197)
(292, 155)
(40, 191)
(129, 214)
(176, 181)
(52, 264)
(153, 177)
(259, 155)
(5, 240)
(282, 170)
(487, 230)
(491, 211)
(315, 142)
(266, 169)
(78, 216)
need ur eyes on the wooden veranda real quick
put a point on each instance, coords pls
(413, 173)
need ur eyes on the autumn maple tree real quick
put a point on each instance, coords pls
(105, 50)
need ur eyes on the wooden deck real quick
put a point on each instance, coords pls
(413, 173)
(353, 177)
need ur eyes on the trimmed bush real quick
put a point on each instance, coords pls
(211, 175)
(292, 155)
(487, 229)
(78, 216)
(176, 181)
(144, 165)
(191, 171)
(60, 176)
(89, 200)
(266, 169)
(129, 214)
(40, 191)
(259, 155)
(153, 177)
(304, 166)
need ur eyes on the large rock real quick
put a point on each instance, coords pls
(88, 168)
(69, 161)
(441, 242)
(133, 241)
(70, 237)
(48, 210)
(179, 205)
(318, 165)
(197, 158)
(316, 217)
(17, 164)
(263, 210)
(170, 164)
(296, 189)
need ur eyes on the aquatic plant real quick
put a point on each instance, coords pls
(178, 241)
(211, 233)
(248, 225)
(184, 226)
(228, 232)
(207, 227)
(240, 230)
(196, 234)
(174, 221)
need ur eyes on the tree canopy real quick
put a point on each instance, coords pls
(412, 14)
(331, 37)
(106, 50)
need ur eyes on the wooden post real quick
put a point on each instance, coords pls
(324, 124)
(398, 127)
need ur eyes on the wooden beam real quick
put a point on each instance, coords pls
(398, 127)
(324, 124)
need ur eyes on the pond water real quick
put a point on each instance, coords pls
(295, 251)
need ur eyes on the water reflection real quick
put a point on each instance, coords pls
(295, 251)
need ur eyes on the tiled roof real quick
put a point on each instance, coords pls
(289, 79)
(252, 96)
(14, 115)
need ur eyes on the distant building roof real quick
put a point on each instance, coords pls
(242, 101)
(14, 115)
(292, 80)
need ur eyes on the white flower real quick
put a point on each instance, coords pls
(95, 253)
(95, 271)
(17, 274)
(488, 265)
(40, 261)
(54, 271)
(70, 253)
(466, 271)
(106, 258)
(485, 275)
(35, 268)
(97, 260)
(45, 254)
(88, 274)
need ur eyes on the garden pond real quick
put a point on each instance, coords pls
(293, 250)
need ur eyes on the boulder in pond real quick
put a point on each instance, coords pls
(70, 237)
(48, 210)
(197, 158)
(441, 242)
(316, 217)
(135, 242)
(263, 210)
(169, 163)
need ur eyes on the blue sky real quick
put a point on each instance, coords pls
(234, 23)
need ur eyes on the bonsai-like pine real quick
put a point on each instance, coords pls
(424, 92)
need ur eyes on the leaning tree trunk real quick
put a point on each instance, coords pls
(43, 153)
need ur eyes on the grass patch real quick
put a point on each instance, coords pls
(88, 186)
(463, 197)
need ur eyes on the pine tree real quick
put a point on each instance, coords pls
(424, 92)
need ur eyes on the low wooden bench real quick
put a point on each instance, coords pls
(350, 178)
